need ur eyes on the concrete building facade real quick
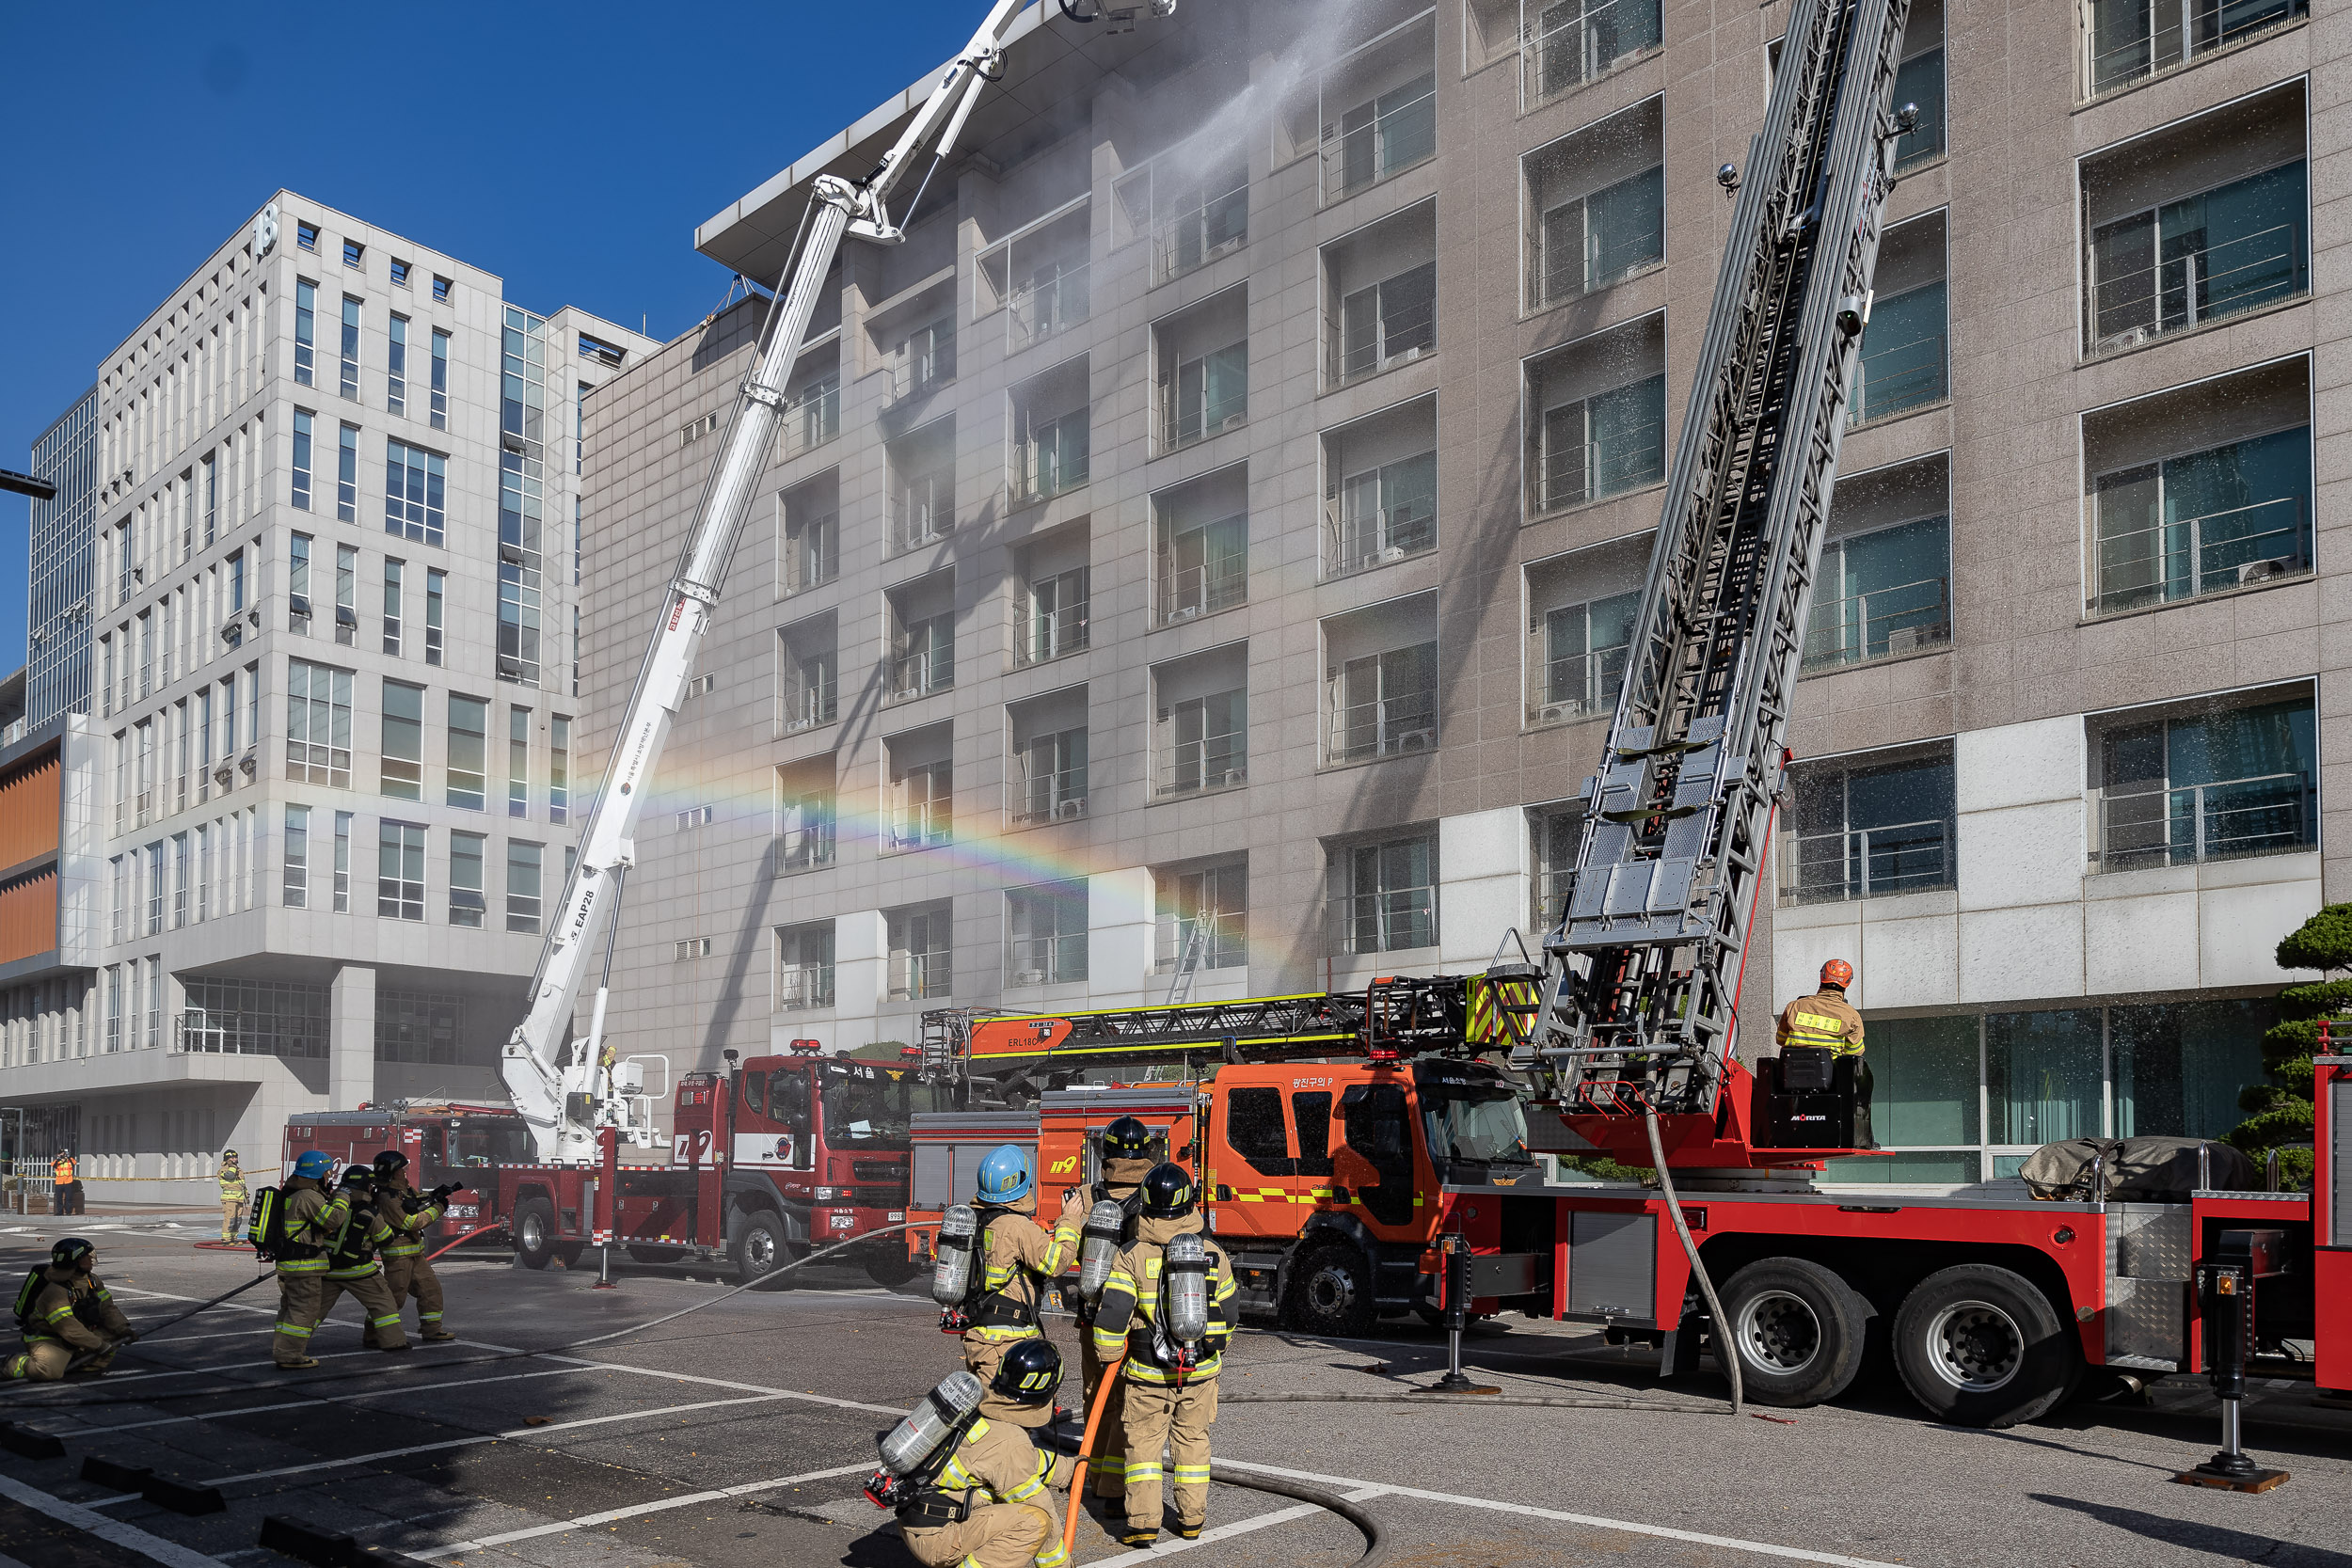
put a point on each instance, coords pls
(326, 775)
(1215, 530)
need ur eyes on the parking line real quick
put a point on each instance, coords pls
(298, 1405)
(129, 1537)
(612, 1514)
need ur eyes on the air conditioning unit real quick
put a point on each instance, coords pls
(223, 774)
(232, 632)
(1416, 740)
(1394, 552)
(2129, 338)
(1906, 640)
(1555, 713)
(1069, 808)
(1409, 355)
(1183, 612)
(1230, 422)
(1233, 776)
(1028, 978)
(249, 765)
(2265, 571)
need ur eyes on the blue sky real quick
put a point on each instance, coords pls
(570, 148)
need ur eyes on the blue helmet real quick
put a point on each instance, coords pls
(316, 1163)
(1004, 1175)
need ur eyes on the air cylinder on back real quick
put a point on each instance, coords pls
(1098, 1247)
(952, 1275)
(910, 1445)
(1185, 1272)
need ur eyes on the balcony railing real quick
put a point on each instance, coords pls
(1225, 939)
(2188, 824)
(806, 848)
(1587, 472)
(812, 417)
(1050, 634)
(915, 976)
(1194, 236)
(923, 508)
(917, 827)
(801, 985)
(1048, 961)
(1902, 376)
(2198, 286)
(1398, 337)
(916, 372)
(1566, 45)
(1577, 274)
(1902, 619)
(2193, 556)
(1057, 796)
(807, 706)
(1184, 422)
(1219, 762)
(1359, 541)
(1868, 862)
(812, 555)
(919, 675)
(2131, 39)
(1189, 591)
(1389, 921)
(1387, 727)
(1042, 309)
(1579, 686)
(1358, 157)
(1049, 470)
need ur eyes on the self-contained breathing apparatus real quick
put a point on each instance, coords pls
(69, 1253)
(918, 1447)
(959, 1276)
(1178, 1342)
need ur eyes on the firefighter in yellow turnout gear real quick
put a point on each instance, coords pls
(987, 1507)
(1827, 1021)
(1169, 1305)
(320, 1258)
(1019, 1258)
(63, 1311)
(407, 1214)
(1126, 1159)
(233, 1194)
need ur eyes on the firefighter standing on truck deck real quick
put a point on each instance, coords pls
(1126, 1159)
(1170, 1391)
(408, 1214)
(63, 1311)
(233, 1194)
(1826, 1020)
(1018, 1257)
(987, 1507)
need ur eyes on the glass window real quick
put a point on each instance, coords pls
(1390, 898)
(1254, 1127)
(1385, 704)
(2188, 262)
(1902, 365)
(403, 774)
(523, 865)
(1861, 832)
(1385, 513)
(866, 1108)
(436, 591)
(1924, 1071)
(1204, 742)
(2205, 521)
(1608, 443)
(1206, 396)
(301, 495)
(1389, 324)
(1204, 569)
(400, 871)
(1920, 84)
(1572, 41)
(438, 402)
(346, 595)
(1594, 241)
(393, 573)
(2131, 39)
(414, 482)
(2239, 782)
(469, 750)
(464, 879)
(1586, 646)
(518, 762)
(305, 332)
(2180, 1066)
(318, 723)
(298, 866)
(1380, 137)
(1887, 591)
(559, 769)
(1049, 934)
(342, 863)
(1203, 917)
(396, 368)
(2044, 1075)
(351, 348)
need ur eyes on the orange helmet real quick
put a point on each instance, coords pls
(1837, 972)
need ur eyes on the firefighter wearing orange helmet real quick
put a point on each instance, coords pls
(1828, 1022)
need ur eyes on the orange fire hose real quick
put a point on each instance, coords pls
(1085, 1447)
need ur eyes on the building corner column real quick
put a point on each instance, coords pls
(351, 1039)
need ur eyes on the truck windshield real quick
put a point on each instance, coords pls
(865, 1109)
(1492, 1130)
(489, 1143)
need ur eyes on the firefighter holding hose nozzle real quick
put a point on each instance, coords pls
(967, 1483)
(1167, 1306)
(407, 1214)
(63, 1310)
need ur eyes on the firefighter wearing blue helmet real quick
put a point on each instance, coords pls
(1018, 1256)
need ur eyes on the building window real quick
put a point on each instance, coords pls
(923, 637)
(351, 348)
(355, 254)
(811, 413)
(804, 966)
(1602, 444)
(342, 863)
(464, 879)
(256, 1018)
(437, 399)
(1192, 217)
(1204, 396)
(412, 1026)
(1583, 651)
(1051, 613)
(518, 762)
(805, 817)
(179, 880)
(922, 485)
(2204, 521)
(400, 273)
(922, 788)
(1884, 591)
(1047, 295)
(212, 498)
(1590, 242)
(396, 368)
(346, 595)
(812, 536)
(1053, 781)
(1903, 355)
(1569, 42)
(436, 591)
(1052, 456)
(1920, 83)
(1864, 830)
(1383, 513)
(468, 752)
(2180, 265)
(1383, 704)
(1203, 740)
(402, 775)
(414, 480)
(400, 871)
(440, 289)
(922, 951)
(1386, 894)
(2212, 786)
(306, 333)
(523, 868)
(1557, 832)
(393, 573)
(1202, 567)
(1388, 324)
(318, 723)
(1048, 941)
(301, 461)
(923, 358)
(1202, 916)
(2127, 39)
(559, 770)
(1381, 137)
(298, 868)
(306, 234)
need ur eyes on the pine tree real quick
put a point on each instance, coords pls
(2279, 1113)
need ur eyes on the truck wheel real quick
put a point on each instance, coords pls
(760, 1249)
(657, 1254)
(1331, 1292)
(1797, 1328)
(890, 1268)
(535, 1233)
(1981, 1346)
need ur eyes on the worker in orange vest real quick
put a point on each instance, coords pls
(65, 1184)
(1828, 1022)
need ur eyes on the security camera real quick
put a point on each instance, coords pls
(1907, 119)
(1855, 314)
(1728, 178)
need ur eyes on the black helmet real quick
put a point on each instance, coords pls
(1167, 1192)
(1126, 1139)
(391, 1162)
(1030, 1374)
(70, 1252)
(359, 1175)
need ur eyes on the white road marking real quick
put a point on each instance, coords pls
(129, 1537)
(337, 1398)
(1763, 1548)
(724, 1383)
(612, 1514)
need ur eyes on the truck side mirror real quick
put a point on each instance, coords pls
(1351, 1170)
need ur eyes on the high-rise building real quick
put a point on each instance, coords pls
(326, 787)
(1210, 539)
(57, 596)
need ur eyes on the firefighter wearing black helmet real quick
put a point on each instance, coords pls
(64, 1312)
(1126, 1150)
(407, 1214)
(1168, 1307)
(352, 1267)
(988, 1506)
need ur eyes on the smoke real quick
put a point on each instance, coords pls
(1286, 90)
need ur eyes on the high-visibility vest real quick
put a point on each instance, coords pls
(62, 1168)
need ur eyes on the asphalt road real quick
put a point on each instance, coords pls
(741, 1436)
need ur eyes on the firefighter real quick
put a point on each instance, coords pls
(309, 1218)
(63, 1311)
(1827, 1020)
(1171, 1384)
(408, 1214)
(1019, 1255)
(987, 1507)
(233, 1194)
(352, 1266)
(65, 1184)
(1127, 1148)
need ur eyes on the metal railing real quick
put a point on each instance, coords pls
(210, 1032)
(812, 555)
(2168, 34)
(923, 508)
(915, 976)
(1054, 797)
(807, 706)
(1900, 377)
(1049, 470)
(1398, 337)
(812, 417)
(1387, 727)
(1184, 424)
(1215, 762)
(1389, 921)
(914, 373)
(1197, 235)
(2187, 824)
(1387, 144)
(1899, 620)
(2194, 287)
(1050, 634)
(1578, 686)
(805, 848)
(2182, 560)
(1582, 473)
(1567, 277)
(1359, 541)
(916, 826)
(919, 675)
(1867, 862)
(1225, 939)
(1188, 592)
(1048, 961)
(1036, 313)
(1583, 43)
(802, 985)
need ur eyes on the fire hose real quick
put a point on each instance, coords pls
(1727, 1350)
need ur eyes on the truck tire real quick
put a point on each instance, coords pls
(1798, 1329)
(533, 1227)
(656, 1254)
(889, 1267)
(1981, 1346)
(1331, 1292)
(760, 1247)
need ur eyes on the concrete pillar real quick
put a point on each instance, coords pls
(860, 965)
(351, 1039)
(1119, 937)
(1481, 884)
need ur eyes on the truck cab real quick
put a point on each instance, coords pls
(449, 1142)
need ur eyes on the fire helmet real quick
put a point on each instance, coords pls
(1030, 1374)
(1004, 1175)
(391, 1162)
(1839, 973)
(70, 1252)
(1167, 1192)
(1126, 1139)
(316, 1163)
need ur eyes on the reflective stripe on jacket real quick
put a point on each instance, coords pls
(1824, 1019)
(231, 1185)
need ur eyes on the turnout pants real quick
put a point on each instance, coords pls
(379, 1311)
(229, 1213)
(997, 1535)
(1161, 1416)
(406, 1279)
(45, 1361)
(1108, 1468)
(301, 1303)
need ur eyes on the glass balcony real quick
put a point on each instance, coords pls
(1202, 225)
(1901, 619)
(1223, 934)
(1579, 686)
(2127, 39)
(812, 417)
(923, 508)
(802, 985)
(1051, 633)
(808, 846)
(1055, 797)
(1867, 862)
(2189, 824)
(1386, 726)
(1390, 920)
(1048, 961)
(1359, 539)
(1213, 762)
(921, 672)
(1048, 306)
(2135, 296)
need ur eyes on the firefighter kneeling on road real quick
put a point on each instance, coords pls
(63, 1310)
(1017, 1256)
(408, 1213)
(968, 1484)
(1126, 1159)
(1168, 1306)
